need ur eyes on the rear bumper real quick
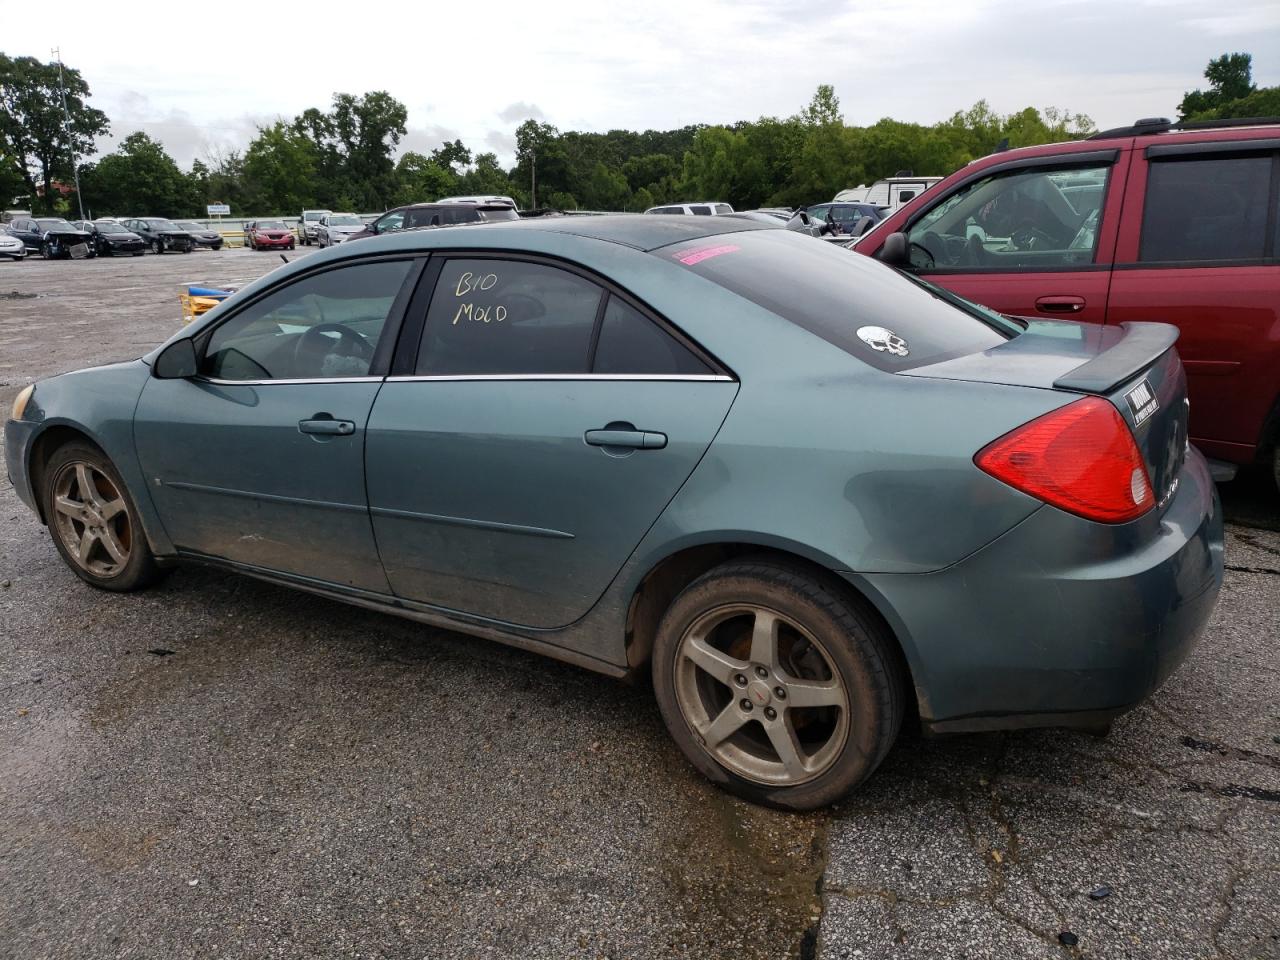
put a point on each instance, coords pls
(1060, 622)
(18, 437)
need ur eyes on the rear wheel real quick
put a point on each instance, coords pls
(777, 683)
(46, 250)
(94, 521)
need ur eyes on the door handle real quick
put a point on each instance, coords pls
(1060, 304)
(327, 427)
(633, 439)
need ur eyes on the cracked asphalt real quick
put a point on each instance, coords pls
(223, 768)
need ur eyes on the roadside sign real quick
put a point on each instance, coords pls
(219, 209)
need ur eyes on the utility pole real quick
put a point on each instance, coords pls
(66, 117)
(533, 178)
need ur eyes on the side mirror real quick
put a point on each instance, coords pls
(373, 228)
(895, 251)
(177, 361)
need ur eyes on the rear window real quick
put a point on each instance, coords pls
(866, 309)
(1206, 209)
(498, 213)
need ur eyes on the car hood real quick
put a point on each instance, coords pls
(353, 228)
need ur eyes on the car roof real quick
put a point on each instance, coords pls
(642, 232)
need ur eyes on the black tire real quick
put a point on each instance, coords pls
(140, 570)
(46, 251)
(140, 253)
(158, 246)
(859, 653)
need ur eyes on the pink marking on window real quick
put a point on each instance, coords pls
(706, 253)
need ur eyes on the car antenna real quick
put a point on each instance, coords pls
(284, 258)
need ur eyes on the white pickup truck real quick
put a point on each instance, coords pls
(307, 224)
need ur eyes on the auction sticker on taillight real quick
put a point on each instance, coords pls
(1142, 401)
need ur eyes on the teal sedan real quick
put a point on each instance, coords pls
(809, 495)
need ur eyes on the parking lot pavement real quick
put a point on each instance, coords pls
(223, 768)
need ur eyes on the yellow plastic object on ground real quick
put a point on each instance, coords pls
(193, 307)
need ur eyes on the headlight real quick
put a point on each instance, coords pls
(20, 401)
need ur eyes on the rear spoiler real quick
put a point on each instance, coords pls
(1140, 346)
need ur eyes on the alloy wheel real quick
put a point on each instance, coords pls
(761, 694)
(92, 519)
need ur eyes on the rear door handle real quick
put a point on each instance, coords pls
(1060, 304)
(635, 439)
(327, 427)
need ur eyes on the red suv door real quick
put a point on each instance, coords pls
(1198, 248)
(1025, 235)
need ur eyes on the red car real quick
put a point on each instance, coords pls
(1151, 222)
(266, 234)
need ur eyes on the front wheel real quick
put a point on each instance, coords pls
(777, 683)
(46, 250)
(159, 246)
(94, 521)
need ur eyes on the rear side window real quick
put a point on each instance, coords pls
(848, 300)
(631, 343)
(1206, 209)
(508, 317)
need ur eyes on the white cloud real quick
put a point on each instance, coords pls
(588, 65)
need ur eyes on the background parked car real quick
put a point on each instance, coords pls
(10, 246)
(201, 236)
(704, 208)
(891, 192)
(482, 199)
(110, 238)
(307, 224)
(52, 237)
(160, 234)
(440, 214)
(268, 234)
(1146, 222)
(849, 219)
(336, 227)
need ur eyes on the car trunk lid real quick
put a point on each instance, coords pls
(1133, 365)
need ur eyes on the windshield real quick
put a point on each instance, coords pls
(270, 225)
(313, 215)
(109, 228)
(850, 301)
(188, 225)
(161, 225)
(54, 223)
(345, 220)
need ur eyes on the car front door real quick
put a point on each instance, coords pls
(259, 459)
(29, 232)
(1031, 239)
(1199, 248)
(517, 457)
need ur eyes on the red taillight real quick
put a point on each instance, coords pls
(1081, 458)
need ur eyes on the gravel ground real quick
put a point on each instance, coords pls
(223, 768)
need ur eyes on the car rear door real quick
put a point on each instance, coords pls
(529, 437)
(1198, 248)
(259, 459)
(1033, 237)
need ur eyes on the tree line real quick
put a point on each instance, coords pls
(345, 157)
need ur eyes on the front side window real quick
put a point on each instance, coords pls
(392, 221)
(320, 327)
(508, 317)
(1206, 209)
(1046, 218)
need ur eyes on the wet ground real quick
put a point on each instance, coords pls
(222, 768)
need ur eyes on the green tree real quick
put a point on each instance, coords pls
(452, 155)
(35, 137)
(1230, 78)
(139, 178)
(823, 108)
(423, 179)
(542, 163)
(487, 176)
(279, 171)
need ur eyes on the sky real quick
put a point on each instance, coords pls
(202, 77)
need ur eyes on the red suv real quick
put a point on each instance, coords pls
(1151, 222)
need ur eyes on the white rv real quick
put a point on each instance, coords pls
(891, 192)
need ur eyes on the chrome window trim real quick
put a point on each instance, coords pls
(262, 383)
(690, 378)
